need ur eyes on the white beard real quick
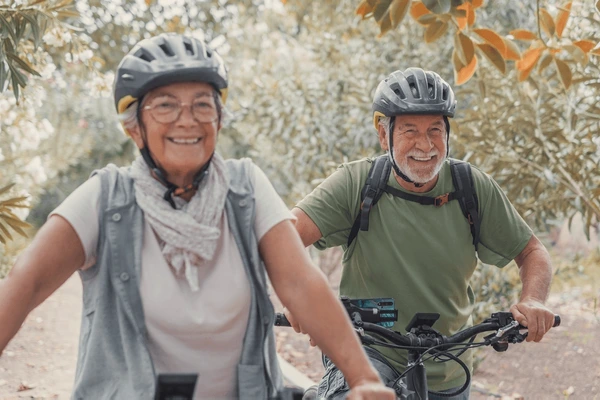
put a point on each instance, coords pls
(420, 176)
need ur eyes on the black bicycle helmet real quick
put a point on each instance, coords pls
(413, 91)
(165, 59)
(162, 60)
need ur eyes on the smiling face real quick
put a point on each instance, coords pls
(419, 143)
(183, 146)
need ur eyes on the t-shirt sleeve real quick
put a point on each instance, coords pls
(331, 207)
(270, 208)
(504, 234)
(81, 210)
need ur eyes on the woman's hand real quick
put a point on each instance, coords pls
(296, 326)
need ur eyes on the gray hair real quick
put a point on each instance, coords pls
(385, 122)
(129, 117)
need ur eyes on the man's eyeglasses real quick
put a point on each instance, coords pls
(166, 110)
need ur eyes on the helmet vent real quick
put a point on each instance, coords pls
(415, 92)
(167, 49)
(445, 93)
(144, 55)
(189, 49)
(431, 91)
(397, 90)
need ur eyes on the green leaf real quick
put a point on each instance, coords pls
(6, 233)
(9, 28)
(438, 6)
(398, 11)
(6, 188)
(381, 9)
(35, 28)
(22, 64)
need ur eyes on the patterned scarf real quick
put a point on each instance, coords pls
(190, 232)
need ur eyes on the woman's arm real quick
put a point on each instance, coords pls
(303, 289)
(52, 257)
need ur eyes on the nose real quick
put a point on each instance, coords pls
(424, 142)
(186, 117)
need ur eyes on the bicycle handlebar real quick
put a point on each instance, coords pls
(501, 322)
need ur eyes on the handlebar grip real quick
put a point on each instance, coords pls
(281, 320)
(556, 320)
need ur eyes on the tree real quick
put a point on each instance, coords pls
(529, 114)
(25, 29)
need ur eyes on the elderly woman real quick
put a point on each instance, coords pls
(172, 251)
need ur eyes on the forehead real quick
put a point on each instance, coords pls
(183, 90)
(419, 120)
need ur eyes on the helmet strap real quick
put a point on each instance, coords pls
(391, 155)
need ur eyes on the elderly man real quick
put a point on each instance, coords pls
(419, 246)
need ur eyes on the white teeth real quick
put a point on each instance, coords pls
(422, 158)
(185, 141)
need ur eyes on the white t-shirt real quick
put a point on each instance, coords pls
(189, 332)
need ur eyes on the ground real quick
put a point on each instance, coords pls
(39, 362)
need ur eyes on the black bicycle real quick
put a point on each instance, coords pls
(182, 387)
(374, 316)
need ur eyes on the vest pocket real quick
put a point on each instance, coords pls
(251, 382)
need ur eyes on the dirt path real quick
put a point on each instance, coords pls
(565, 365)
(42, 355)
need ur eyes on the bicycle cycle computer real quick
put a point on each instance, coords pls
(422, 319)
(175, 386)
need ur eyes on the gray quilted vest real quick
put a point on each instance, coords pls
(114, 361)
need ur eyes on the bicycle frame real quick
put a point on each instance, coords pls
(421, 339)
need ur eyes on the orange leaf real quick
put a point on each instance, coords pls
(562, 18)
(585, 45)
(476, 3)
(417, 10)
(435, 31)
(512, 51)
(149, 2)
(492, 38)
(530, 57)
(492, 54)
(462, 21)
(462, 73)
(564, 72)
(595, 52)
(547, 22)
(364, 9)
(523, 34)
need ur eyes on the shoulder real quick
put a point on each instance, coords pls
(481, 180)
(356, 171)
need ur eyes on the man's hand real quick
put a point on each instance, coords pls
(296, 325)
(371, 390)
(535, 316)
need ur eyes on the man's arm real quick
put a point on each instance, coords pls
(536, 274)
(308, 230)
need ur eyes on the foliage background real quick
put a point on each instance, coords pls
(302, 78)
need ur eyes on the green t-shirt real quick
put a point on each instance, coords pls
(422, 256)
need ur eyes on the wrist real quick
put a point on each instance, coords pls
(365, 376)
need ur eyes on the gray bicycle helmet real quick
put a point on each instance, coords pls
(165, 59)
(413, 91)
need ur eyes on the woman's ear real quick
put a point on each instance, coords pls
(135, 133)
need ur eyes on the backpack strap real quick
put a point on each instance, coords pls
(462, 179)
(371, 193)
